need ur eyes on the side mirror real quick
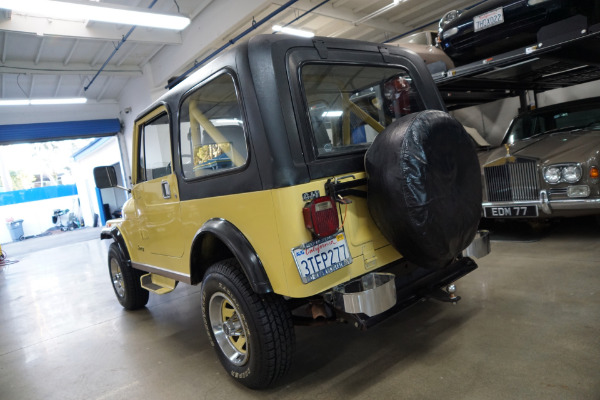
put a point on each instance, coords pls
(106, 177)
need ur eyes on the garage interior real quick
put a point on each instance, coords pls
(527, 323)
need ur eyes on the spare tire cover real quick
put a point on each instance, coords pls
(424, 187)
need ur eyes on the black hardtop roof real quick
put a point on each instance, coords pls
(275, 44)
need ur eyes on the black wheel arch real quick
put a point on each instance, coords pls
(115, 234)
(218, 239)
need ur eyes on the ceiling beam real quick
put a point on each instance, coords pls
(149, 57)
(346, 15)
(199, 8)
(101, 55)
(82, 87)
(105, 86)
(125, 53)
(416, 12)
(40, 50)
(410, 9)
(33, 25)
(435, 15)
(60, 77)
(68, 59)
(4, 44)
(363, 7)
(31, 86)
(58, 68)
(339, 3)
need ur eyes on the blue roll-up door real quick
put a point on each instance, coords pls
(21, 133)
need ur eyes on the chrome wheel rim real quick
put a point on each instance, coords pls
(117, 278)
(228, 329)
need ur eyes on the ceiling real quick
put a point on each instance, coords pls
(42, 58)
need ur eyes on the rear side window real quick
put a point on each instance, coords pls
(212, 129)
(350, 104)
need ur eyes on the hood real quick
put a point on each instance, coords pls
(573, 146)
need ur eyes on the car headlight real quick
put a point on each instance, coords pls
(449, 17)
(570, 173)
(552, 175)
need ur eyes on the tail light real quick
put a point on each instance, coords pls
(321, 217)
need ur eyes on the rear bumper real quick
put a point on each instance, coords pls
(419, 285)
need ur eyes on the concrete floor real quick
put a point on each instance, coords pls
(528, 327)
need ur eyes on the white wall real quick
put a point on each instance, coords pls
(583, 91)
(491, 119)
(36, 215)
(75, 112)
(135, 97)
(107, 154)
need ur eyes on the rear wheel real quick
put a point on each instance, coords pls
(126, 280)
(253, 335)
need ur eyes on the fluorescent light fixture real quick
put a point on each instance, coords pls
(14, 102)
(293, 31)
(75, 100)
(84, 11)
(332, 114)
(37, 102)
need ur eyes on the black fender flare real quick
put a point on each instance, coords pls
(115, 234)
(240, 247)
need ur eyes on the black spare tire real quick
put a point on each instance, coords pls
(424, 187)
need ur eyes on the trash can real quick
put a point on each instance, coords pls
(16, 229)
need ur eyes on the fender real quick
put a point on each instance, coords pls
(240, 247)
(115, 234)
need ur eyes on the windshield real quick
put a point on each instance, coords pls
(530, 125)
(350, 104)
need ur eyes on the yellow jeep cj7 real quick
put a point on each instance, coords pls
(299, 181)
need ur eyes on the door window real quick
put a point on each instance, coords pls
(155, 149)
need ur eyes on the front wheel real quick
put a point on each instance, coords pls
(126, 280)
(253, 335)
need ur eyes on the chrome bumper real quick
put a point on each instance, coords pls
(548, 205)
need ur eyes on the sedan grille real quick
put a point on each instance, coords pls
(513, 181)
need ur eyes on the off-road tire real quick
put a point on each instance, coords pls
(126, 284)
(259, 325)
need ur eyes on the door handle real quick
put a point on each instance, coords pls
(166, 189)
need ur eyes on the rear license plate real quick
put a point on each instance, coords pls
(321, 257)
(489, 19)
(511, 212)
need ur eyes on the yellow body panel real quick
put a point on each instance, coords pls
(360, 232)
(272, 222)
